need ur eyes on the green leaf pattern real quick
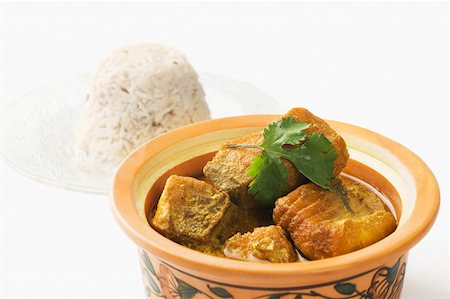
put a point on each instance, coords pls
(185, 290)
(220, 292)
(152, 282)
(148, 263)
(345, 288)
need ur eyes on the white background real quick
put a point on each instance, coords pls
(383, 66)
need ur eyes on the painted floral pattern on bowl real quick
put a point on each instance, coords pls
(162, 280)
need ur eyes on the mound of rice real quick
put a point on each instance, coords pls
(137, 93)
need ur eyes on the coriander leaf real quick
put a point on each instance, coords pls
(287, 131)
(314, 159)
(312, 155)
(269, 172)
(270, 178)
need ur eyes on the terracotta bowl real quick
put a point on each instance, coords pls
(170, 270)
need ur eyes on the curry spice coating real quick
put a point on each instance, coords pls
(264, 244)
(228, 169)
(322, 227)
(191, 211)
(195, 214)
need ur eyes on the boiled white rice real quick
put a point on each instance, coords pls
(138, 92)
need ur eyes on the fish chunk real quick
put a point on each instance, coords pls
(192, 212)
(195, 214)
(318, 125)
(264, 244)
(321, 226)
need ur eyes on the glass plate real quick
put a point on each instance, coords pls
(37, 130)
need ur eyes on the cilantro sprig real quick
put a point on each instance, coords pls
(313, 155)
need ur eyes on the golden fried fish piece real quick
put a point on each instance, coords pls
(318, 125)
(321, 226)
(264, 244)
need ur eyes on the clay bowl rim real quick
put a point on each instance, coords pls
(399, 242)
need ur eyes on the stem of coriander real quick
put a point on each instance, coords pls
(232, 145)
(336, 186)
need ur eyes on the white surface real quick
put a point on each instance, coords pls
(383, 66)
